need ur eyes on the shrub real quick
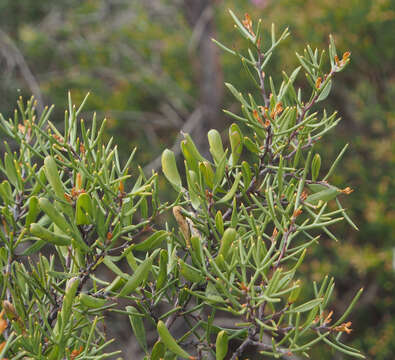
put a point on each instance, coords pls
(245, 221)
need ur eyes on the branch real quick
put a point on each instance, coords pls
(6, 43)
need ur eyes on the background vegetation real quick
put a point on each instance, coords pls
(153, 71)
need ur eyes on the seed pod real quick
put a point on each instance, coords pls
(162, 275)
(232, 191)
(136, 321)
(169, 168)
(189, 272)
(33, 211)
(170, 342)
(138, 277)
(219, 222)
(216, 147)
(83, 210)
(227, 240)
(92, 302)
(236, 143)
(315, 167)
(221, 345)
(49, 236)
(51, 172)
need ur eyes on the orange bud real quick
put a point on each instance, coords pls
(257, 117)
(328, 319)
(346, 55)
(21, 128)
(82, 149)
(75, 353)
(243, 287)
(318, 82)
(297, 212)
(78, 181)
(345, 327)
(248, 24)
(347, 190)
(3, 323)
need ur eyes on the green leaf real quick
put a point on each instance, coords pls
(136, 321)
(306, 306)
(169, 168)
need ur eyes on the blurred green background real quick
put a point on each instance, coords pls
(152, 70)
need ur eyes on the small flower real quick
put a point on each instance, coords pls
(347, 190)
(277, 110)
(121, 187)
(328, 319)
(345, 327)
(257, 117)
(297, 212)
(243, 287)
(82, 149)
(346, 55)
(248, 24)
(76, 352)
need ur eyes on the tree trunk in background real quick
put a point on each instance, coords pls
(208, 71)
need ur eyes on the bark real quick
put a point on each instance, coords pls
(208, 72)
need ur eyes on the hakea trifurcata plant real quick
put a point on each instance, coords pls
(223, 271)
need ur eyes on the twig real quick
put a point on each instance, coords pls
(16, 54)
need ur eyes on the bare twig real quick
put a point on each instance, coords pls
(9, 49)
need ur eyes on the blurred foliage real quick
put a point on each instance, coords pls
(137, 58)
